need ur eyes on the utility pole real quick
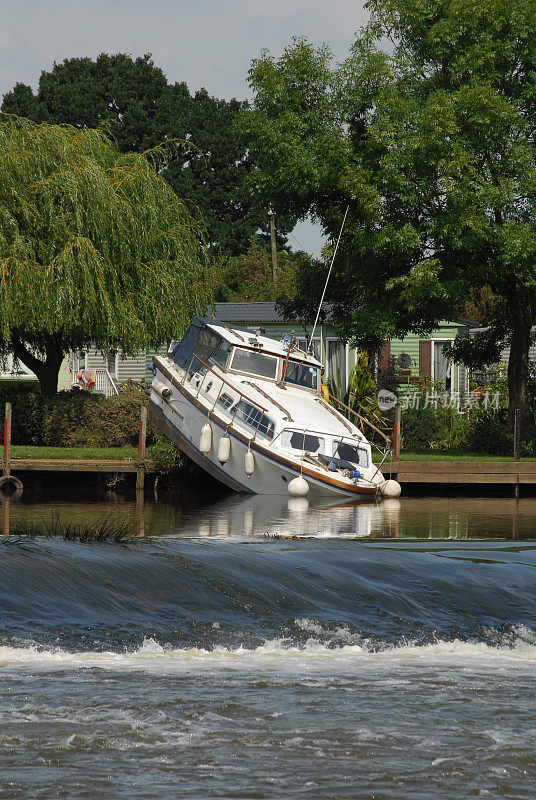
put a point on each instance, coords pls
(274, 247)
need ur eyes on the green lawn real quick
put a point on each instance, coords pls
(27, 451)
(448, 455)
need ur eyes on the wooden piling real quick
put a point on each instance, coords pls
(140, 474)
(6, 462)
(396, 434)
(5, 516)
(517, 444)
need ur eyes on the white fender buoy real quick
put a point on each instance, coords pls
(161, 389)
(298, 487)
(249, 464)
(205, 441)
(390, 488)
(224, 449)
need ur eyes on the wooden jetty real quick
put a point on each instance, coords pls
(463, 473)
(11, 465)
(433, 473)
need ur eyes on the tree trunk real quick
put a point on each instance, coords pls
(47, 370)
(520, 311)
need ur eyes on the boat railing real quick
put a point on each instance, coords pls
(363, 420)
(242, 394)
(256, 404)
(230, 385)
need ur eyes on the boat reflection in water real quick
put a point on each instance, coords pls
(268, 516)
(254, 517)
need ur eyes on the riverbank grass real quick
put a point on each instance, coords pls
(74, 453)
(449, 455)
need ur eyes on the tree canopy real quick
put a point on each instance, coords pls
(95, 247)
(248, 277)
(431, 144)
(133, 102)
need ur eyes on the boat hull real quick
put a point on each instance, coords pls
(182, 422)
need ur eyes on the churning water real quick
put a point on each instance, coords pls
(246, 649)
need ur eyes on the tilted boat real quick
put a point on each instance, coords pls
(253, 413)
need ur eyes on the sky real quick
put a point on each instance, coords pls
(206, 43)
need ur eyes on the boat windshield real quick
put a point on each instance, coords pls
(254, 363)
(301, 441)
(300, 374)
(350, 452)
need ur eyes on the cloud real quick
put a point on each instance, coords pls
(207, 43)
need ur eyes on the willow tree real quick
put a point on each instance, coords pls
(95, 247)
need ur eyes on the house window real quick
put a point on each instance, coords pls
(303, 345)
(336, 361)
(443, 370)
(111, 363)
(80, 361)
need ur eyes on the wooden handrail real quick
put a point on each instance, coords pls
(288, 415)
(335, 413)
(281, 383)
(362, 419)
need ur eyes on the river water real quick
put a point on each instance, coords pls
(245, 648)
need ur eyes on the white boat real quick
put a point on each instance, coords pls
(252, 412)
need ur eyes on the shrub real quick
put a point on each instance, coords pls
(29, 412)
(165, 456)
(73, 419)
(441, 428)
(489, 432)
(82, 419)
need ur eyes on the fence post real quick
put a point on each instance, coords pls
(6, 462)
(140, 476)
(396, 434)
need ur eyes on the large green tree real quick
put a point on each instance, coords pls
(249, 277)
(430, 142)
(94, 247)
(133, 101)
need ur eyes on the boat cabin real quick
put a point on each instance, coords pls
(246, 354)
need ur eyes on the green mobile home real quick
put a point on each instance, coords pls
(418, 361)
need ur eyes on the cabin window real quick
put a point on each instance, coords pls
(221, 354)
(254, 363)
(351, 452)
(299, 440)
(225, 400)
(303, 375)
(254, 418)
(206, 346)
